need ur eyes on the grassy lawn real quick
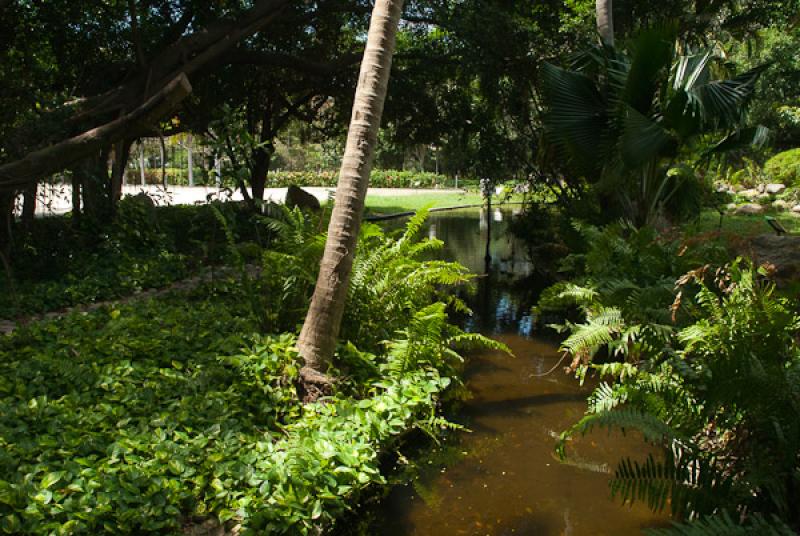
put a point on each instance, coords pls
(743, 226)
(403, 203)
(432, 199)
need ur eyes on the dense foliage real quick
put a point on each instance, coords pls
(59, 263)
(620, 118)
(146, 416)
(701, 361)
(784, 167)
(379, 178)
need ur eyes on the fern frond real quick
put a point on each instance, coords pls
(723, 525)
(598, 331)
(652, 428)
(606, 397)
(579, 295)
(469, 341)
(415, 225)
(691, 485)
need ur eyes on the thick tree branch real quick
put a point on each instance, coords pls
(187, 55)
(56, 157)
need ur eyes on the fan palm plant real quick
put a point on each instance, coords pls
(620, 116)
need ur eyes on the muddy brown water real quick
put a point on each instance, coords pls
(502, 477)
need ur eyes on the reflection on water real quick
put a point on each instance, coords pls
(506, 479)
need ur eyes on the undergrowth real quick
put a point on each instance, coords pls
(158, 414)
(703, 360)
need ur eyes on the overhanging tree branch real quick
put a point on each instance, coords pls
(187, 55)
(56, 157)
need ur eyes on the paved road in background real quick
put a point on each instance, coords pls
(56, 199)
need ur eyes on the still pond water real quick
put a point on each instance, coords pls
(502, 476)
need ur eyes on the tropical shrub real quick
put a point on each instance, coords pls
(628, 268)
(397, 276)
(59, 264)
(620, 117)
(718, 391)
(379, 178)
(784, 167)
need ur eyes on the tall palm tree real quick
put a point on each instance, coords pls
(317, 340)
(605, 21)
(620, 116)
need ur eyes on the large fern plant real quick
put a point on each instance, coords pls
(393, 278)
(722, 396)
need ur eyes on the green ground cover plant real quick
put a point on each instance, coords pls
(60, 264)
(153, 415)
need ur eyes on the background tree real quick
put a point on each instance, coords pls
(605, 21)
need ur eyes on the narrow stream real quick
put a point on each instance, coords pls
(502, 476)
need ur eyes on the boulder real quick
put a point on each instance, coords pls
(141, 206)
(750, 209)
(783, 252)
(774, 188)
(730, 207)
(780, 204)
(796, 208)
(297, 197)
(750, 193)
(143, 200)
(723, 187)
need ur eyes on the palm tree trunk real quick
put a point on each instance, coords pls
(317, 340)
(605, 21)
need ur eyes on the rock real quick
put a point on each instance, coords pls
(750, 193)
(783, 252)
(750, 209)
(7, 326)
(723, 187)
(764, 197)
(731, 206)
(774, 188)
(760, 188)
(780, 204)
(297, 197)
(796, 208)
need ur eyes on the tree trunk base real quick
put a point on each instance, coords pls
(313, 385)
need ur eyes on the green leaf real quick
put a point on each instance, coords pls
(643, 140)
(317, 510)
(44, 496)
(576, 119)
(51, 478)
(743, 138)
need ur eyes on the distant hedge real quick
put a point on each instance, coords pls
(381, 178)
